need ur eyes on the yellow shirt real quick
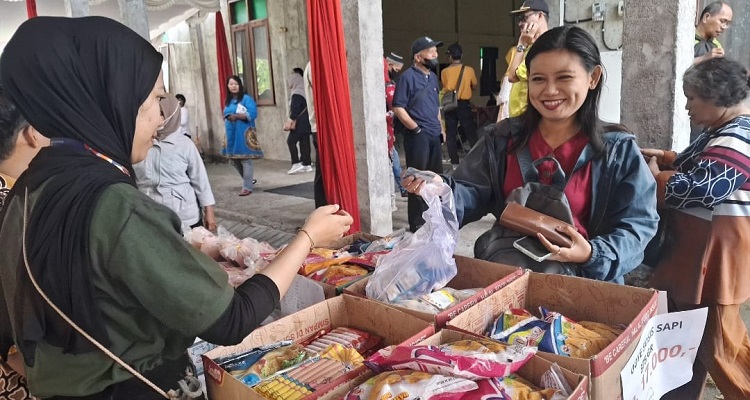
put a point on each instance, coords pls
(519, 92)
(449, 80)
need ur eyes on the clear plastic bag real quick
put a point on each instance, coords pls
(424, 261)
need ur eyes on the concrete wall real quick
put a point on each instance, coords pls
(612, 37)
(287, 21)
(193, 72)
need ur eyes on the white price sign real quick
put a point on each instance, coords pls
(665, 354)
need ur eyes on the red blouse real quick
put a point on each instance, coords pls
(578, 189)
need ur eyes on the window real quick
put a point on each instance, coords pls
(252, 48)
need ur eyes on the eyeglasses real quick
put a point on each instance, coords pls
(524, 17)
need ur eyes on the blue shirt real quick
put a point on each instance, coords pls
(424, 111)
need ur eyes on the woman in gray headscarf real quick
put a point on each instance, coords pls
(301, 161)
(173, 173)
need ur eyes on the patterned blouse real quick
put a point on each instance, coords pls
(713, 171)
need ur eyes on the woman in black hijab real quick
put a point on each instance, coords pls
(109, 258)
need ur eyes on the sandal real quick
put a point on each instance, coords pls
(245, 192)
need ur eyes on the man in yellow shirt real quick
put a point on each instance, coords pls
(714, 20)
(533, 17)
(449, 78)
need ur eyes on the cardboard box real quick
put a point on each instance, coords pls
(394, 326)
(532, 371)
(331, 291)
(472, 273)
(580, 299)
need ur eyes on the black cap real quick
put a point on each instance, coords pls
(455, 50)
(394, 58)
(423, 43)
(532, 5)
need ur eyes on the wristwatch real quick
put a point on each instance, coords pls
(520, 48)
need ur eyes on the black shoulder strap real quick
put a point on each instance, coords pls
(460, 78)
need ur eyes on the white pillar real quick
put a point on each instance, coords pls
(657, 49)
(133, 14)
(363, 29)
(77, 8)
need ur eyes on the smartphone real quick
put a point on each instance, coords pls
(533, 248)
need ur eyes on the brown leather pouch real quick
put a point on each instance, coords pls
(529, 222)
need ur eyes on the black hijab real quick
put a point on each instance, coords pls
(82, 79)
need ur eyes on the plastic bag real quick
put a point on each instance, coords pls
(471, 359)
(212, 245)
(423, 262)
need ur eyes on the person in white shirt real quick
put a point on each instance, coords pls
(184, 118)
(173, 173)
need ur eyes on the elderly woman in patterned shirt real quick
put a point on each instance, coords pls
(706, 192)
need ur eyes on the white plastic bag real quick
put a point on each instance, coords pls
(423, 262)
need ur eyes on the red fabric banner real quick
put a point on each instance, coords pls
(222, 57)
(31, 8)
(330, 81)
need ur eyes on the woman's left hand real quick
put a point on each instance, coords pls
(578, 253)
(209, 218)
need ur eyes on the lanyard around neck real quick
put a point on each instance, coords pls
(77, 144)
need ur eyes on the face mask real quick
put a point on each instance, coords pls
(393, 74)
(431, 64)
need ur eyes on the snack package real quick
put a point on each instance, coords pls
(313, 266)
(528, 332)
(241, 250)
(608, 332)
(363, 342)
(515, 387)
(437, 301)
(197, 235)
(410, 385)
(237, 276)
(258, 364)
(565, 337)
(510, 319)
(283, 388)
(473, 359)
(509, 388)
(339, 275)
(554, 379)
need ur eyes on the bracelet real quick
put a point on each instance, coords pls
(312, 243)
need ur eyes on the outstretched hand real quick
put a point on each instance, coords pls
(327, 224)
(579, 252)
(413, 184)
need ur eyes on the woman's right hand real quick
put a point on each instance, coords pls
(327, 224)
(649, 153)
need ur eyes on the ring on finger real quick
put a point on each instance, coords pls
(559, 249)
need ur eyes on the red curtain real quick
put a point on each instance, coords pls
(31, 8)
(222, 56)
(333, 111)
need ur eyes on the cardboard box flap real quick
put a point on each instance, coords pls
(584, 299)
(345, 310)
